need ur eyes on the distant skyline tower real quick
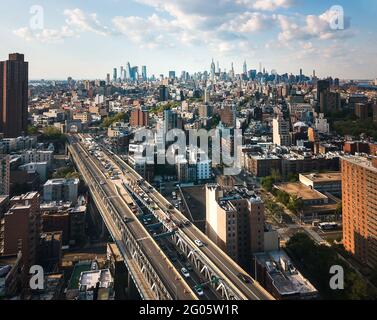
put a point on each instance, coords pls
(115, 74)
(14, 77)
(121, 73)
(260, 67)
(144, 72)
(213, 70)
(245, 68)
(128, 71)
(232, 71)
(218, 67)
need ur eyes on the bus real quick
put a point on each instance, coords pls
(325, 226)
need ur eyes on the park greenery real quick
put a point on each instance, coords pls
(269, 181)
(315, 261)
(32, 130)
(356, 128)
(159, 108)
(66, 173)
(119, 117)
(54, 136)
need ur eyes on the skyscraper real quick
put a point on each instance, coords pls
(122, 73)
(14, 77)
(171, 74)
(170, 120)
(323, 87)
(359, 184)
(144, 73)
(245, 68)
(163, 93)
(213, 70)
(134, 73)
(115, 74)
(128, 72)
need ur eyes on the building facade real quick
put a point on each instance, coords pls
(14, 79)
(359, 185)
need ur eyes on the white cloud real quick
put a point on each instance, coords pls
(249, 22)
(79, 20)
(311, 27)
(150, 32)
(45, 35)
(266, 5)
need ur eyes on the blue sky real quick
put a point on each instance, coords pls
(87, 38)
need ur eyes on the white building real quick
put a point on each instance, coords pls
(61, 190)
(37, 156)
(321, 124)
(281, 135)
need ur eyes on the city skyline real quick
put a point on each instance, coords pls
(85, 41)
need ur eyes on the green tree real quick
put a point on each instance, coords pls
(268, 183)
(32, 131)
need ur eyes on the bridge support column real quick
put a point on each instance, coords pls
(132, 292)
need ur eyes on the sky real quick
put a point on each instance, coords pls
(86, 39)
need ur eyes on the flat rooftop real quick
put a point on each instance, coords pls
(300, 190)
(89, 279)
(287, 280)
(361, 161)
(324, 177)
(62, 181)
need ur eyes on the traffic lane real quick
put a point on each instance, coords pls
(177, 289)
(211, 250)
(250, 290)
(194, 279)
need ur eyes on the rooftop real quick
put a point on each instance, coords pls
(62, 181)
(89, 279)
(286, 279)
(323, 177)
(300, 190)
(365, 162)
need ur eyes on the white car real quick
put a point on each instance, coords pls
(199, 243)
(185, 273)
(199, 292)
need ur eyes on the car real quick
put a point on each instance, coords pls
(185, 273)
(189, 267)
(187, 223)
(244, 278)
(199, 243)
(199, 291)
(102, 183)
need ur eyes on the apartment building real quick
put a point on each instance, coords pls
(235, 222)
(359, 191)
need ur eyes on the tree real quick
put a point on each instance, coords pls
(268, 183)
(315, 262)
(32, 131)
(119, 117)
